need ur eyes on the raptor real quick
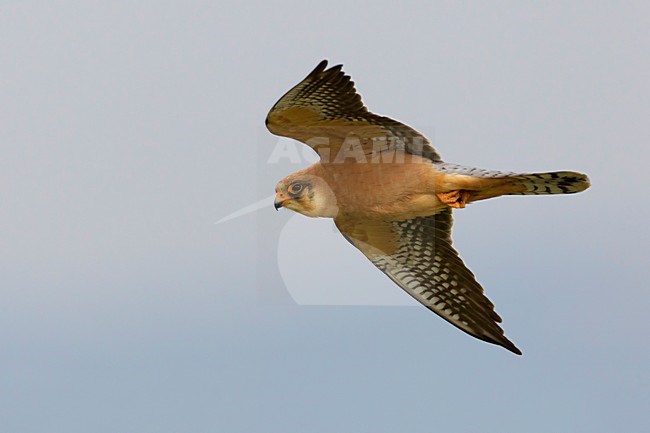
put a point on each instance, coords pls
(391, 195)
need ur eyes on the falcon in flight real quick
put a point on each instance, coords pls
(391, 195)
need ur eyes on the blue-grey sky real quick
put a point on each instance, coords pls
(128, 129)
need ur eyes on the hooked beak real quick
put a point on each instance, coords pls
(280, 200)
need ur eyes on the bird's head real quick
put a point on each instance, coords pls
(306, 194)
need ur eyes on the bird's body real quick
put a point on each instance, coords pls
(391, 195)
(388, 189)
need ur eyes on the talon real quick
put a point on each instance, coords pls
(457, 199)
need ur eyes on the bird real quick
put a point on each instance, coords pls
(391, 195)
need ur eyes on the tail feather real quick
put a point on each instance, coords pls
(559, 182)
(483, 184)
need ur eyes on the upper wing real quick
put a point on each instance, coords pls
(324, 110)
(418, 256)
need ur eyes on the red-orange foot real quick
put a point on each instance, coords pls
(457, 199)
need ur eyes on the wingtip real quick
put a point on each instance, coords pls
(319, 68)
(322, 67)
(500, 340)
(509, 345)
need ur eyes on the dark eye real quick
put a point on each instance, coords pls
(295, 188)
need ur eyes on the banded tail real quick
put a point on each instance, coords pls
(558, 182)
(468, 184)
